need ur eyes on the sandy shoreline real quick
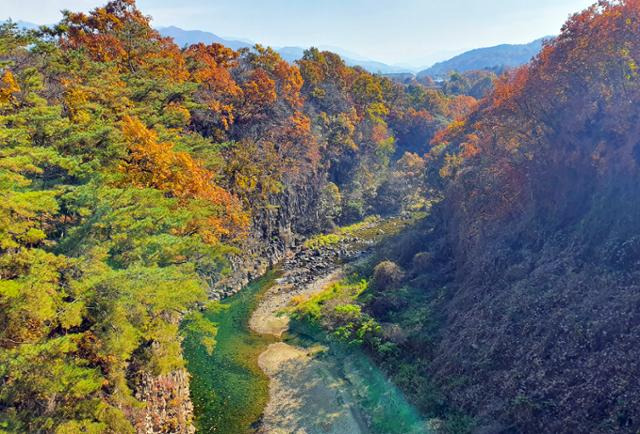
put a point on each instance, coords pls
(304, 396)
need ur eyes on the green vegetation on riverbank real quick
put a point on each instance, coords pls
(391, 373)
(228, 389)
(381, 403)
(369, 229)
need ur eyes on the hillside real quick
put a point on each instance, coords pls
(518, 298)
(494, 58)
(200, 238)
(141, 181)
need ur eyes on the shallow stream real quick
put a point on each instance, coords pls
(287, 378)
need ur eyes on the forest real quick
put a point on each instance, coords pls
(141, 182)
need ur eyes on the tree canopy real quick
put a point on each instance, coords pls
(131, 169)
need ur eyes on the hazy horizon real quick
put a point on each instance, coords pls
(412, 32)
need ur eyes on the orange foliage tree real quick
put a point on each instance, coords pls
(567, 119)
(120, 33)
(152, 164)
(211, 67)
(8, 87)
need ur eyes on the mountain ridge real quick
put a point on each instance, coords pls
(184, 37)
(495, 57)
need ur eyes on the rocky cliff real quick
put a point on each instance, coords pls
(276, 228)
(168, 407)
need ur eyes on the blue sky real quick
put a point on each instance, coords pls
(392, 31)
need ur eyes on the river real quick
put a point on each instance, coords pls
(264, 377)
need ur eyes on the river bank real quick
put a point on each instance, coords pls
(260, 378)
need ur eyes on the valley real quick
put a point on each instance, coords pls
(198, 238)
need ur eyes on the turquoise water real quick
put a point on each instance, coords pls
(228, 389)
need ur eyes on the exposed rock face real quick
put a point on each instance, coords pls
(275, 231)
(168, 407)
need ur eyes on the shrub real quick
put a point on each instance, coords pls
(422, 261)
(386, 275)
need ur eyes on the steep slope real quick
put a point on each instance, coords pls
(495, 58)
(530, 265)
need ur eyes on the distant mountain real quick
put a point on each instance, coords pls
(27, 25)
(290, 54)
(24, 25)
(188, 37)
(376, 67)
(426, 60)
(500, 56)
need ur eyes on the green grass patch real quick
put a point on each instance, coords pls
(228, 389)
(320, 241)
(368, 222)
(372, 228)
(343, 292)
(359, 229)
